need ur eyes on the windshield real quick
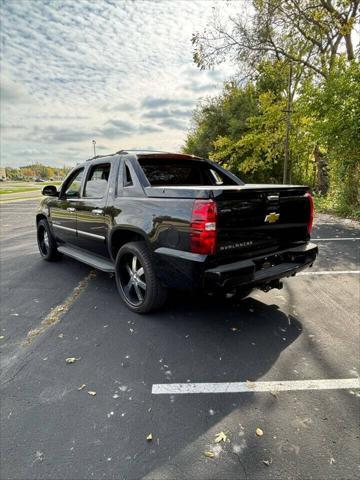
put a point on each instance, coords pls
(161, 172)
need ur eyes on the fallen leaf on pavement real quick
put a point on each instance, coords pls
(259, 432)
(220, 437)
(82, 387)
(39, 456)
(149, 437)
(274, 393)
(92, 393)
(71, 360)
(209, 454)
(267, 462)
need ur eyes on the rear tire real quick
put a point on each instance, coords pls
(46, 242)
(138, 286)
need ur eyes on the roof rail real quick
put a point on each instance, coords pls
(93, 158)
(125, 151)
(142, 150)
(102, 156)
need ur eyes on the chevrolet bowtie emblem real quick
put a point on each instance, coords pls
(272, 217)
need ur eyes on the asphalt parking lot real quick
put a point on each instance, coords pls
(51, 429)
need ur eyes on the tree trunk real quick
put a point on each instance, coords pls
(349, 47)
(287, 165)
(322, 180)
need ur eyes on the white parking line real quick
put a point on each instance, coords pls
(333, 239)
(247, 387)
(331, 272)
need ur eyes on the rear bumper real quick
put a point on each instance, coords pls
(261, 270)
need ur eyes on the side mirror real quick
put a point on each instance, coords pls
(50, 191)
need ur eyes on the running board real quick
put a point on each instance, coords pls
(89, 258)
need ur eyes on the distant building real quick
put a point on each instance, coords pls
(3, 173)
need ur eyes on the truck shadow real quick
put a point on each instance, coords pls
(222, 340)
(212, 341)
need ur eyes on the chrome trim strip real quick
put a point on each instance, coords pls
(92, 235)
(80, 232)
(55, 225)
(172, 252)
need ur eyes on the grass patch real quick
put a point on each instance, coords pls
(327, 205)
(7, 191)
(7, 188)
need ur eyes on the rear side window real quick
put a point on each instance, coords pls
(97, 181)
(166, 172)
(128, 181)
(217, 178)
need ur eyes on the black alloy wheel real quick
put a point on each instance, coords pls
(132, 278)
(46, 241)
(136, 280)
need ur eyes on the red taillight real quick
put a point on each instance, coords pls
(203, 227)
(311, 214)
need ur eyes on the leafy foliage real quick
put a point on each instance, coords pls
(251, 139)
(300, 99)
(309, 33)
(36, 170)
(335, 110)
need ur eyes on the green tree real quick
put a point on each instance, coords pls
(250, 138)
(310, 33)
(333, 109)
(224, 115)
(257, 156)
(309, 123)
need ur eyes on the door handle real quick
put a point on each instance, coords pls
(71, 209)
(97, 211)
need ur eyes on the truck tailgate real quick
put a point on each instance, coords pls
(261, 217)
(251, 217)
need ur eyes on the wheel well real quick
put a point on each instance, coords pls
(120, 237)
(39, 217)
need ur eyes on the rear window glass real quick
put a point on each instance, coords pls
(161, 172)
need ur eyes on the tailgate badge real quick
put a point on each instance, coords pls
(272, 217)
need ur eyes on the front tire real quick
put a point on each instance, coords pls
(46, 241)
(138, 286)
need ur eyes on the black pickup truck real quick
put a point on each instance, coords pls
(162, 220)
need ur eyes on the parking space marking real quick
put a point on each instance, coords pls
(333, 239)
(331, 272)
(57, 312)
(248, 387)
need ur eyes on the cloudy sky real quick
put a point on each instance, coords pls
(117, 71)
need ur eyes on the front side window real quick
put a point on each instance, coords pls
(72, 190)
(97, 181)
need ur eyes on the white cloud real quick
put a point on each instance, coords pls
(118, 71)
(12, 93)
